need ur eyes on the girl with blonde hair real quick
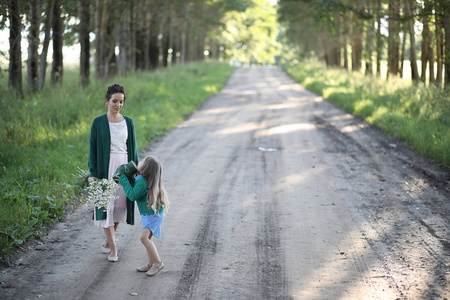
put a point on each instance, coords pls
(148, 191)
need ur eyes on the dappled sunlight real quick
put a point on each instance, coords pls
(216, 111)
(351, 128)
(283, 129)
(287, 105)
(237, 129)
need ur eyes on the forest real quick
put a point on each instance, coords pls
(118, 37)
(358, 35)
(123, 36)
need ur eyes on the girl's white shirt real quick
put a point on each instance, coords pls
(119, 136)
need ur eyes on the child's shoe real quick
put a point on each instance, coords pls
(143, 268)
(155, 269)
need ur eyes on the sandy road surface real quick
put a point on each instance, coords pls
(275, 194)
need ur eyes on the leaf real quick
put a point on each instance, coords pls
(133, 294)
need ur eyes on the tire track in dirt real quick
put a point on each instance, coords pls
(415, 198)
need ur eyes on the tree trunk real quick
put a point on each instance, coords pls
(412, 39)
(45, 44)
(57, 65)
(84, 16)
(439, 30)
(356, 43)
(402, 52)
(393, 44)
(445, 5)
(184, 33)
(15, 51)
(379, 38)
(100, 34)
(33, 44)
(370, 33)
(153, 47)
(426, 40)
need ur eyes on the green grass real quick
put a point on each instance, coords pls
(45, 138)
(417, 114)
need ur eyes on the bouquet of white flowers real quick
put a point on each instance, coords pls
(101, 192)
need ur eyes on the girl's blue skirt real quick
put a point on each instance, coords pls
(153, 222)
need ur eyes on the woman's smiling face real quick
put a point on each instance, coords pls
(115, 103)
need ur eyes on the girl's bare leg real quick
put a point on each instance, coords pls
(152, 252)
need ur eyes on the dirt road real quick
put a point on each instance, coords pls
(275, 193)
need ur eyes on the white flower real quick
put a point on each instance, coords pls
(102, 192)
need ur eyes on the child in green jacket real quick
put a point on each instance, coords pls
(148, 191)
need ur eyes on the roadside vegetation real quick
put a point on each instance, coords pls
(417, 114)
(45, 138)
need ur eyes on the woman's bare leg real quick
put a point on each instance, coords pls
(109, 232)
(106, 245)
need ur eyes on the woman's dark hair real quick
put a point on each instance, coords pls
(114, 89)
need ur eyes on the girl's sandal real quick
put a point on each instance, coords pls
(155, 269)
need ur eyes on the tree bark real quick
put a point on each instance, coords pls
(57, 64)
(33, 44)
(153, 47)
(439, 39)
(379, 38)
(393, 40)
(84, 16)
(100, 33)
(370, 33)
(45, 44)
(184, 33)
(356, 42)
(445, 5)
(410, 6)
(426, 42)
(15, 51)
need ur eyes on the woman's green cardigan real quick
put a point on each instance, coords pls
(99, 153)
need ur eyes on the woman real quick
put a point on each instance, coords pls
(112, 143)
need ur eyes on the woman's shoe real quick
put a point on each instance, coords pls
(113, 258)
(155, 269)
(143, 268)
(105, 250)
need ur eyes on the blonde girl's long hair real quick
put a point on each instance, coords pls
(157, 197)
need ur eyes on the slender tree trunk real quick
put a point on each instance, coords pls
(15, 51)
(153, 49)
(445, 5)
(57, 64)
(370, 33)
(402, 53)
(439, 30)
(410, 7)
(47, 26)
(84, 16)
(100, 33)
(356, 43)
(184, 33)
(379, 38)
(426, 40)
(33, 44)
(393, 41)
(133, 45)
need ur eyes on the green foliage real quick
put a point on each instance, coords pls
(45, 138)
(419, 115)
(250, 36)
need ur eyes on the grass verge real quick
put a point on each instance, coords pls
(417, 114)
(45, 138)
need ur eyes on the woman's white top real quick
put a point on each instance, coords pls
(119, 136)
